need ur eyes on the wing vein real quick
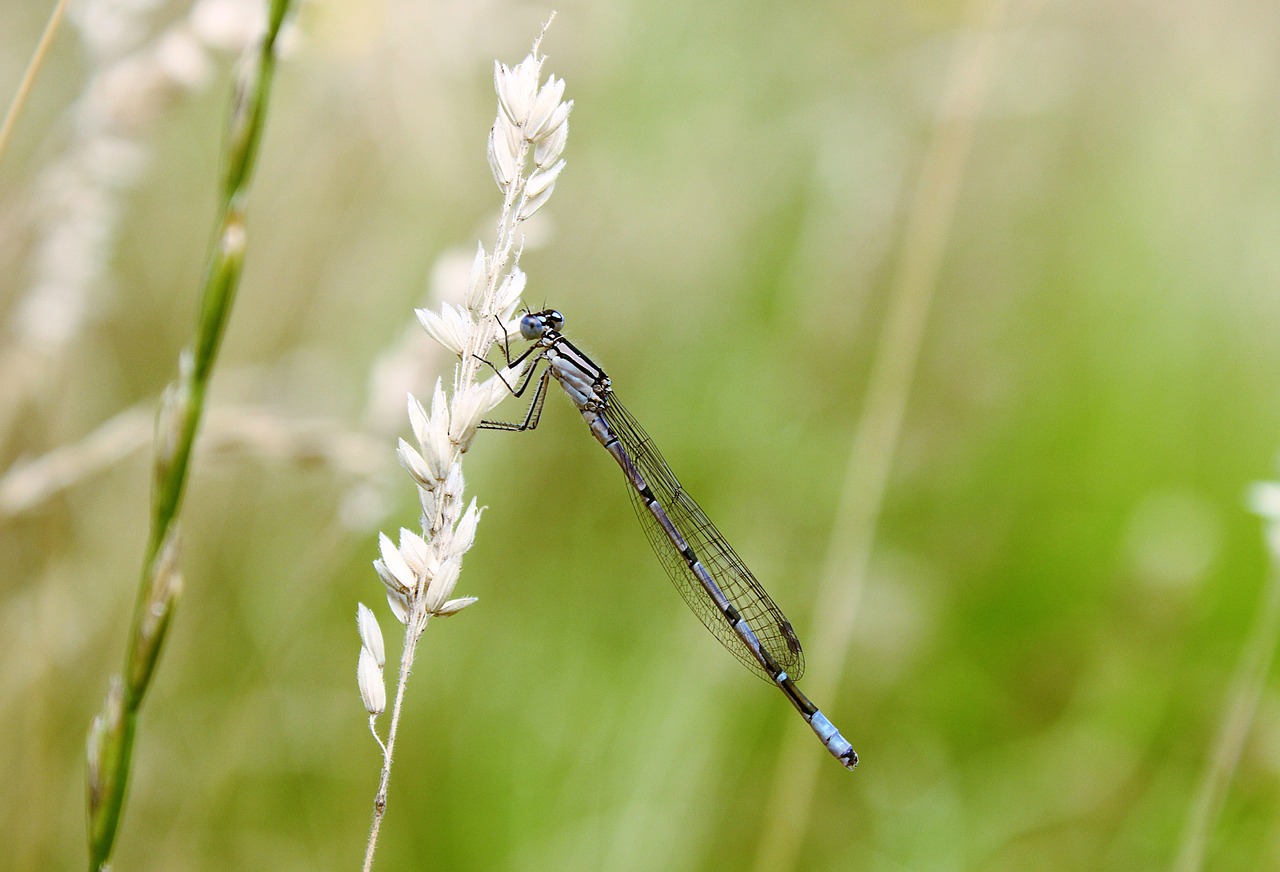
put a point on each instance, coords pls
(722, 563)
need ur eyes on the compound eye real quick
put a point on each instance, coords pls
(532, 327)
(555, 319)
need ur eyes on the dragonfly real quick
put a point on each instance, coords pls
(705, 569)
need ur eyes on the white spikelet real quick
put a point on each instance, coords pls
(465, 533)
(415, 465)
(418, 419)
(443, 327)
(476, 287)
(453, 606)
(544, 109)
(393, 565)
(373, 693)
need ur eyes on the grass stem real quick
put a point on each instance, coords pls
(113, 731)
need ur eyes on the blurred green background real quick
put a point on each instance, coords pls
(1064, 573)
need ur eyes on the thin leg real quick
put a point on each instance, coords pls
(528, 376)
(535, 408)
(502, 337)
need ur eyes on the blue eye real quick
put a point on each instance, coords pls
(532, 327)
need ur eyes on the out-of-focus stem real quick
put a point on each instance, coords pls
(1247, 686)
(111, 736)
(29, 75)
(928, 224)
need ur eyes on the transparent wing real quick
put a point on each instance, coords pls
(734, 579)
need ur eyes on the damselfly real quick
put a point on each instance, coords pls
(705, 569)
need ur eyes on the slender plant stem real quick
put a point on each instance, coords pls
(111, 736)
(29, 75)
(871, 458)
(411, 635)
(1247, 686)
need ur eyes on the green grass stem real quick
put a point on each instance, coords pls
(111, 736)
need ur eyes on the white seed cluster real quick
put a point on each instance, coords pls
(528, 116)
(421, 570)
